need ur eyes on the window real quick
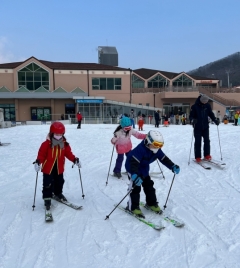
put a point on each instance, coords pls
(183, 81)
(32, 77)
(8, 112)
(137, 82)
(157, 82)
(106, 83)
(40, 114)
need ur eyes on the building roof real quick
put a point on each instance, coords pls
(147, 73)
(65, 65)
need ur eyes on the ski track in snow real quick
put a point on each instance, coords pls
(206, 200)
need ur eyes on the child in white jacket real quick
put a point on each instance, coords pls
(122, 141)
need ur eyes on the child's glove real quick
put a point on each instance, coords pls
(77, 162)
(136, 179)
(176, 169)
(37, 165)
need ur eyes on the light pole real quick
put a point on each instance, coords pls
(228, 72)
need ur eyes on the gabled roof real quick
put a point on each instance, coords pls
(65, 65)
(147, 73)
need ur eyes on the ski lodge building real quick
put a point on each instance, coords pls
(39, 90)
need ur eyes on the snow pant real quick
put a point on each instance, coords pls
(140, 125)
(149, 190)
(132, 122)
(119, 161)
(157, 123)
(52, 183)
(236, 121)
(198, 134)
(79, 123)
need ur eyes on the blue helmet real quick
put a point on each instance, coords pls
(125, 122)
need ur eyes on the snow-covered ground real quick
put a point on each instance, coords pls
(208, 201)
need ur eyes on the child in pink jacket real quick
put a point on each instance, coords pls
(122, 141)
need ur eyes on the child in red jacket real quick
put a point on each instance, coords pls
(140, 123)
(51, 155)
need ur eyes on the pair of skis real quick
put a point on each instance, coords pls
(212, 162)
(48, 213)
(155, 226)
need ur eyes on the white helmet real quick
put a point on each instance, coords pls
(155, 138)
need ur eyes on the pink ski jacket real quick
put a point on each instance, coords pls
(123, 143)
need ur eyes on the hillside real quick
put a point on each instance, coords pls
(220, 69)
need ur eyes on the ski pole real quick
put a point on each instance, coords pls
(107, 217)
(190, 148)
(80, 180)
(33, 206)
(160, 169)
(169, 191)
(110, 165)
(219, 143)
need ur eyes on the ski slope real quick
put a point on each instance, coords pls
(207, 201)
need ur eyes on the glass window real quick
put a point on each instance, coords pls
(32, 77)
(137, 82)
(106, 83)
(110, 83)
(103, 83)
(8, 112)
(183, 81)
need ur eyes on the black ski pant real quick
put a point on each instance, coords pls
(198, 134)
(149, 190)
(79, 123)
(52, 183)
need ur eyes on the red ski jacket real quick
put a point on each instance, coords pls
(79, 117)
(47, 156)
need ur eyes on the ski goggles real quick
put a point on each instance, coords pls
(157, 144)
(127, 128)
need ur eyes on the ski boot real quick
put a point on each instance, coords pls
(47, 203)
(60, 197)
(155, 208)
(137, 212)
(116, 174)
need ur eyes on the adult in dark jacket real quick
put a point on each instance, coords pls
(157, 118)
(199, 114)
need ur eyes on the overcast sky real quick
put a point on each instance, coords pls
(167, 35)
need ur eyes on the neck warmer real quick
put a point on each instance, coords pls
(57, 142)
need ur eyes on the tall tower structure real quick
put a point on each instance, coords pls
(108, 55)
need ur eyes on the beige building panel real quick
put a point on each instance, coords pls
(24, 106)
(71, 81)
(122, 97)
(6, 71)
(6, 80)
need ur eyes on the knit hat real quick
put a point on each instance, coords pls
(125, 122)
(204, 99)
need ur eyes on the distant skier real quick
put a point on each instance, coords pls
(51, 155)
(79, 119)
(199, 114)
(122, 141)
(138, 166)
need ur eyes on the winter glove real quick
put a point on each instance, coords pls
(216, 121)
(136, 179)
(77, 162)
(37, 165)
(194, 122)
(176, 169)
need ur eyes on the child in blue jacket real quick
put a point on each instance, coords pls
(138, 166)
